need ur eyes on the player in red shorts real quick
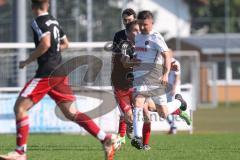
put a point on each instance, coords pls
(50, 40)
(121, 77)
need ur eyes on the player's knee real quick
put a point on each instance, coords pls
(19, 109)
(162, 113)
(22, 105)
(68, 109)
(70, 116)
(139, 103)
(16, 110)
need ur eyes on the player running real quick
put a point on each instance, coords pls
(121, 76)
(172, 98)
(50, 40)
(155, 57)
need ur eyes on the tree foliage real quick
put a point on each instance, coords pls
(212, 13)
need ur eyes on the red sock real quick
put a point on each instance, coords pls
(122, 127)
(177, 112)
(22, 134)
(146, 132)
(87, 123)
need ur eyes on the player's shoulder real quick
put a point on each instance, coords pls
(156, 35)
(46, 20)
(121, 34)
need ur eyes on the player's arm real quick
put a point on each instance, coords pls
(64, 43)
(177, 75)
(167, 62)
(176, 83)
(43, 46)
(115, 45)
(167, 56)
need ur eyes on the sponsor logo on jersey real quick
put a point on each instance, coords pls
(50, 22)
(146, 43)
(141, 49)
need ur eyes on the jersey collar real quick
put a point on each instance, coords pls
(43, 14)
(150, 33)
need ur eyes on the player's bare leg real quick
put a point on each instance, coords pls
(21, 107)
(124, 100)
(110, 142)
(129, 121)
(176, 107)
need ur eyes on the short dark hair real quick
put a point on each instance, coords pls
(129, 12)
(145, 15)
(130, 24)
(39, 3)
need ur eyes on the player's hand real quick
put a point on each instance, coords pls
(174, 66)
(164, 80)
(22, 64)
(129, 116)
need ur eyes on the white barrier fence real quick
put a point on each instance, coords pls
(44, 116)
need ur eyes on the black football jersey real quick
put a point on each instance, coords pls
(121, 77)
(42, 25)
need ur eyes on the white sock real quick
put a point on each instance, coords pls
(22, 148)
(170, 119)
(137, 122)
(101, 135)
(173, 106)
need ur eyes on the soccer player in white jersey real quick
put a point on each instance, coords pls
(153, 69)
(174, 80)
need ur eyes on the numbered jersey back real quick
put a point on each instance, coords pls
(42, 26)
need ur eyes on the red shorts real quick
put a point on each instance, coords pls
(56, 87)
(124, 99)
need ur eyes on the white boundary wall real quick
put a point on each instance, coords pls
(43, 115)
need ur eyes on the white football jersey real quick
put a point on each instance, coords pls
(148, 49)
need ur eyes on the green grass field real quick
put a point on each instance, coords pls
(216, 137)
(179, 147)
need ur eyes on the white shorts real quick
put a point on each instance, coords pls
(160, 100)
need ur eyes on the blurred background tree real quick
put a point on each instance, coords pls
(208, 15)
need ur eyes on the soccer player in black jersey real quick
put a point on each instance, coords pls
(122, 84)
(50, 40)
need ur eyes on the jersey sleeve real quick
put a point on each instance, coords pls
(116, 44)
(178, 72)
(40, 28)
(161, 44)
(62, 33)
